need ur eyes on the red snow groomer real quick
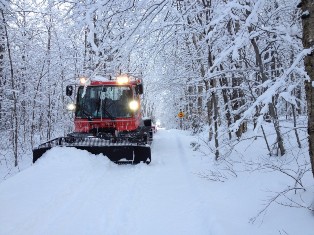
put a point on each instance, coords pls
(107, 120)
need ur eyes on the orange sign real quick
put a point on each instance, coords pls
(181, 115)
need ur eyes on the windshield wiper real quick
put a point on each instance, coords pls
(106, 111)
(85, 113)
(88, 115)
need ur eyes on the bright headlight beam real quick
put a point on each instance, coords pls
(71, 107)
(134, 105)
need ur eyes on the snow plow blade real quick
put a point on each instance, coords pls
(119, 153)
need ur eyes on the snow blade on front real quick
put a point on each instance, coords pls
(118, 152)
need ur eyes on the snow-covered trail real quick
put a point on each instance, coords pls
(70, 191)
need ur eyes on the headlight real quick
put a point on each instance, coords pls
(71, 107)
(134, 105)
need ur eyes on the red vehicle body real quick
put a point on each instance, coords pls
(130, 123)
(108, 120)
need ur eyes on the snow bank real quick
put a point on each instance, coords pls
(70, 191)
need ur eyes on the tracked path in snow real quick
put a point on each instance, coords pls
(70, 191)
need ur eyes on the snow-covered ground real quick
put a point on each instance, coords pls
(69, 191)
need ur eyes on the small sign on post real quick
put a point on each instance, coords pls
(181, 114)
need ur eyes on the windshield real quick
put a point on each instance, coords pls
(103, 102)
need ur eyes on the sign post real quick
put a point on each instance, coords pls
(181, 116)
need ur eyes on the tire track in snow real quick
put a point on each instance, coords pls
(125, 204)
(206, 220)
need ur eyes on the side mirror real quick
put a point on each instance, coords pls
(69, 90)
(147, 122)
(139, 89)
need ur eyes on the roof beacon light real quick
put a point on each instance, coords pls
(122, 79)
(84, 81)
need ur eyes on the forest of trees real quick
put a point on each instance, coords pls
(227, 64)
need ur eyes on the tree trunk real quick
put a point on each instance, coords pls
(14, 122)
(308, 42)
(2, 51)
(272, 105)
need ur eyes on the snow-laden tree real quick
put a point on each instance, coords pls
(40, 57)
(227, 65)
(243, 60)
